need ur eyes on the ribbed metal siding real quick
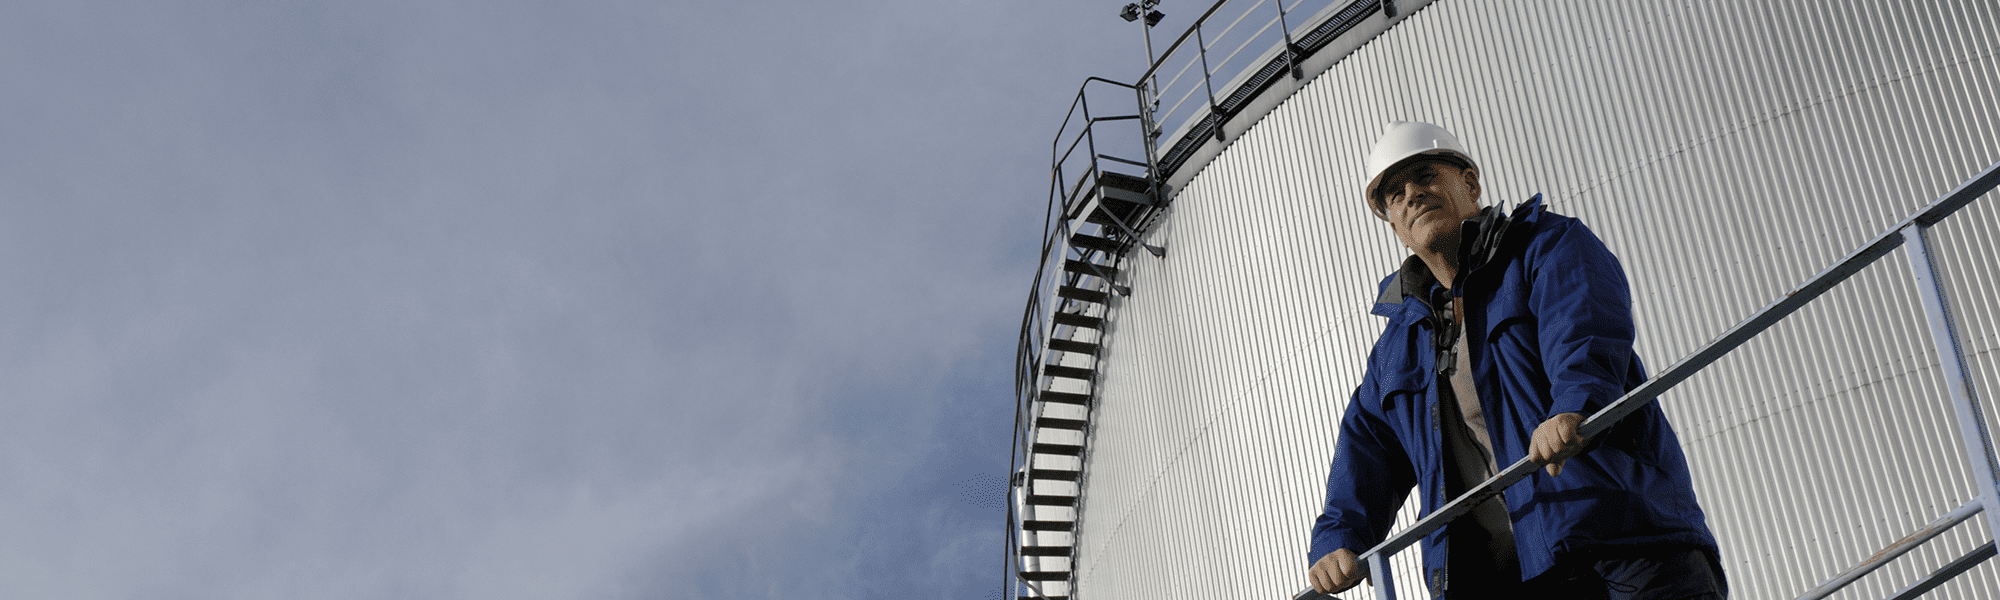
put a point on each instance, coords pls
(1724, 151)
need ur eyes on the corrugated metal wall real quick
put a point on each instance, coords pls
(1725, 151)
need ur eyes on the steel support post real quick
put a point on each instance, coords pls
(1379, 576)
(1957, 375)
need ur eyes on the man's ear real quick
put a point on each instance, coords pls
(1472, 181)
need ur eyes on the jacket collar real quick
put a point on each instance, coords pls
(1413, 280)
(1488, 234)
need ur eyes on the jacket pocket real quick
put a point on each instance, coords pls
(1403, 387)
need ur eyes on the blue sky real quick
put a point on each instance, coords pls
(520, 299)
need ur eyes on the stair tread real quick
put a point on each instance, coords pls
(1079, 320)
(1063, 449)
(1046, 525)
(1054, 474)
(1064, 397)
(1089, 268)
(1077, 293)
(1061, 423)
(1072, 346)
(1069, 372)
(1093, 242)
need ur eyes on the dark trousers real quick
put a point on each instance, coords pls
(1684, 574)
(1678, 574)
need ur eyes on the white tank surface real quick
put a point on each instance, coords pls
(1726, 152)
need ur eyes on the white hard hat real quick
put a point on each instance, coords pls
(1405, 140)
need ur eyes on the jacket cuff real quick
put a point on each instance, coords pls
(1325, 543)
(1580, 403)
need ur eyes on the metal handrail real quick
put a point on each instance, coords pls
(1375, 560)
(1182, 39)
(1184, 97)
(1232, 24)
(1295, 39)
(1219, 34)
(1085, 137)
(1197, 30)
(1032, 328)
(1246, 42)
(1037, 326)
(1898, 548)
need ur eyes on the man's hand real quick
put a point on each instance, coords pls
(1555, 441)
(1335, 572)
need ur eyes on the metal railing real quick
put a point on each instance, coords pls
(1079, 162)
(1075, 169)
(1232, 53)
(1221, 35)
(1978, 444)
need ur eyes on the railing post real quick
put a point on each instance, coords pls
(1291, 49)
(1149, 137)
(1201, 49)
(1380, 577)
(1958, 379)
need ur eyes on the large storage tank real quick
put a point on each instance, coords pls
(1180, 399)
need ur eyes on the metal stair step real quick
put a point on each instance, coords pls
(1052, 500)
(1072, 346)
(1101, 216)
(1062, 371)
(1123, 189)
(1091, 269)
(1048, 525)
(1057, 449)
(1092, 242)
(1114, 179)
(1053, 474)
(1046, 551)
(1045, 575)
(1077, 293)
(1077, 320)
(1125, 202)
(1055, 423)
(1065, 398)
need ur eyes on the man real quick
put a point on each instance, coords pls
(1504, 332)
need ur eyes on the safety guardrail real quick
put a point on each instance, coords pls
(1075, 168)
(1080, 165)
(1229, 55)
(1978, 444)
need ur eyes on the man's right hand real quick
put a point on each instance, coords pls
(1335, 572)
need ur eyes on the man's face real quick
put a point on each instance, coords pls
(1426, 199)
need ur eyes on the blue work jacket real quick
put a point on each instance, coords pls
(1549, 323)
